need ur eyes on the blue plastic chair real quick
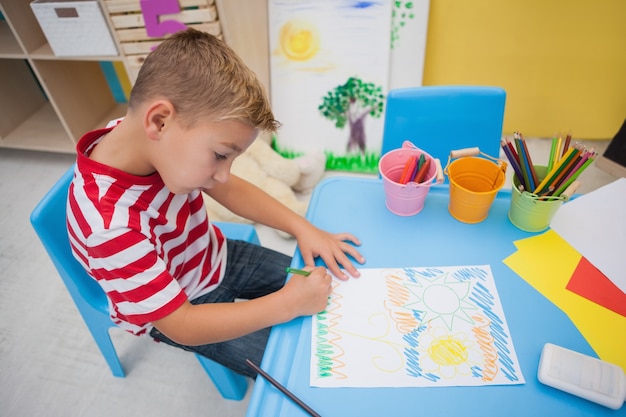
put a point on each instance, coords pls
(439, 119)
(48, 220)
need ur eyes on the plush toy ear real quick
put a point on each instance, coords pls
(312, 167)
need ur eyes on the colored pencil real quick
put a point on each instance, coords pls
(532, 173)
(565, 167)
(568, 138)
(281, 388)
(524, 179)
(523, 164)
(552, 152)
(557, 154)
(513, 151)
(575, 175)
(513, 160)
(552, 174)
(579, 159)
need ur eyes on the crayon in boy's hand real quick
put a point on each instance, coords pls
(302, 272)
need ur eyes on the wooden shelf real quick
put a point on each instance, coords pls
(9, 48)
(45, 52)
(47, 102)
(42, 131)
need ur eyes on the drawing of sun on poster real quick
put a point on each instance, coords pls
(329, 62)
(414, 327)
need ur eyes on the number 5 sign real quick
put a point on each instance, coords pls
(152, 9)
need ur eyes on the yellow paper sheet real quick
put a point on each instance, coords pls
(547, 262)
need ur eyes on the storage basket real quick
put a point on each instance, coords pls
(74, 28)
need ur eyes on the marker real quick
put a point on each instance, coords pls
(297, 271)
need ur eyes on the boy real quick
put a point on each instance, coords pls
(137, 221)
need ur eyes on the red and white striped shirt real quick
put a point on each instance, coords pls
(150, 250)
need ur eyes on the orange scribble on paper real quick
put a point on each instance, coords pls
(485, 341)
(398, 295)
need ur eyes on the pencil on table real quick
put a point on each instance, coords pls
(281, 388)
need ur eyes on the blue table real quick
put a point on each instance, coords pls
(430, 238)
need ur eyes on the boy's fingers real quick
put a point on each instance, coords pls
(348, 237)
(338, 273)
(308, 259)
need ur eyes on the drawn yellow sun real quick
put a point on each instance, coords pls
(448, 354)
(448, 350)
(299, 40)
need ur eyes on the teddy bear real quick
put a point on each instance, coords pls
(283, 178)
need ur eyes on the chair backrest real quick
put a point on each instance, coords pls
(49, 221)
(439, 119)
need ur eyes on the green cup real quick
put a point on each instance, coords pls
(529, 212)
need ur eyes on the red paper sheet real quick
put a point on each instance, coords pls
(588, 282)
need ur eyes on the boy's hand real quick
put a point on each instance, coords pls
(308, 295)
(332, 248)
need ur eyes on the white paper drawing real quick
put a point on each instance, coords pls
(414, 327)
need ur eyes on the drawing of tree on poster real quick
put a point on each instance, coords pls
(349, 104)
(414, 327)
(323, 54)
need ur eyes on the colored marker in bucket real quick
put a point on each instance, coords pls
(407, 175)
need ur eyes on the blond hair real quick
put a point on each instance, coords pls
(203, 77)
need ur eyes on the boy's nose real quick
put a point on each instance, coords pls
(222, 174)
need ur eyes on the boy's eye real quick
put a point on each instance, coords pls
(219, 156)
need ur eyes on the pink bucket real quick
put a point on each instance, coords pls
(404, 199)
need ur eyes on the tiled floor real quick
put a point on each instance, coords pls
(50, 366)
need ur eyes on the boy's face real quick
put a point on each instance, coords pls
(201, 156)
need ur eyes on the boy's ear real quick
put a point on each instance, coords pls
(157, 116)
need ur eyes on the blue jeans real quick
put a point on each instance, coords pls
(251, 271)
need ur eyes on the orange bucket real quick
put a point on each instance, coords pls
(474, 183)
